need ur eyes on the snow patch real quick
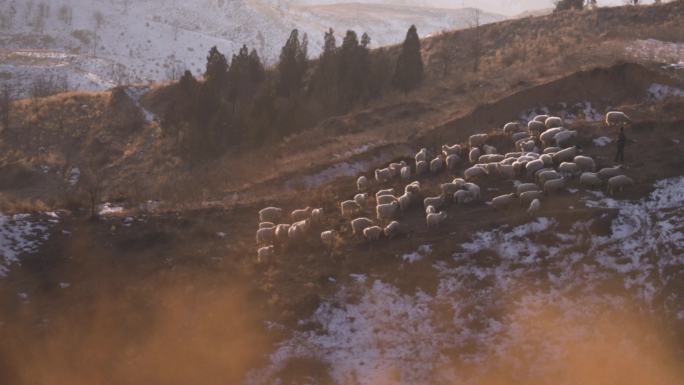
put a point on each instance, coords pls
(22, 234)
(659, 92)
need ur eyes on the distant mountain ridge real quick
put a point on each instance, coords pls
(99, 43)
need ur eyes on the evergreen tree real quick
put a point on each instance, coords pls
(353, 70)
(562, 5)
(217, 70)
(292, 65)
(409, 68)
(365, 40)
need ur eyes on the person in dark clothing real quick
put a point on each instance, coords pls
(622, 139)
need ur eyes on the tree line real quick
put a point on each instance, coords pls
(239, 102)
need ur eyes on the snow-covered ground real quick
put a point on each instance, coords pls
(658, 50)
(22, 234)
(493, 293)
(98, 43)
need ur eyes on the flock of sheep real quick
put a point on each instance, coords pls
(544, 159)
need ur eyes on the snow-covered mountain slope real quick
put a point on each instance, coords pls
(95, 44)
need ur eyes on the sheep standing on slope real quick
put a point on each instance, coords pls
(372, 233)
(473, 189)
(405, 201)
(359, 224)
(362, 184)
(534, 207)
(566, 155)
(264, 225)
(435, 219)
(361, 200)
(421, 156)
(386, 199)
(383, 175)
(503, 201)
(329, 237)
(553, 121)
(477, 140)
(270, 214)
(451, 150)
(554, 185)
(281, 233)
(405, 172)
(392, 230)
(511, 128)
(387, 212)
(301, 214)
(618, 183)
(265, 252)
(590, 179)
(462, 197)
(349, 208)
(317, 216)
(474, 155)
(609, 172)
(452, 162)
(436, 202)
(265, 236)
(437, 164)
(585, 163)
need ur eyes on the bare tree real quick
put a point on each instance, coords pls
(476, 40)
(5, 106)
(91, 185)
(99, 20)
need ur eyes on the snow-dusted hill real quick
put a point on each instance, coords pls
(97, 43)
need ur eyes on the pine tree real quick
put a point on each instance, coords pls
(217, 70)
(409, 68)
(292, 64)
(365, 40)
(563, 5)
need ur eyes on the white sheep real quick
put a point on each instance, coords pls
(514, 155)
(545, 175)
(526, 145)
(548, 135)
(503, 201)
(395, 168)
(387, 211)
(430, 210)
(551, 150)
(383, 174)
(520, 136)
(564, 138)
(474, 155)
(535, 206)
(281, 232)
(452, 161)
(489, 149)
(299, 229)
(317, 216)
(265, 225)
(270, 214)
(547, 159)
(554, 185)
(435, 219)
(329, 237)
(437, 164)
(451, 150)
(618, 183)
(614, 118)
(422, 167)
(405, 172)
(535, 128)
(460, 182)
(553, 121)
(569, 169)
(534, 166)
(392, 230)
(565, 155)
(386, 199)
(609, 172)
(448, 189)
(541, 118)
(413, 187)
(506, 171)
(511, 127)
(436, 202)
(463, 197)
(491, 158)
(590, 179)
(349, 208)
(362, 183)
(405, 201)
(477, 140)
(301, 214)
(359, 224)
(585, 163)
(361, 199)
(527, 197)
(474, 189)
(372, 233)
(266, 252)
(474, 172)
(525, 187)
(421, 156)
(387, 191)
(265, 236)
